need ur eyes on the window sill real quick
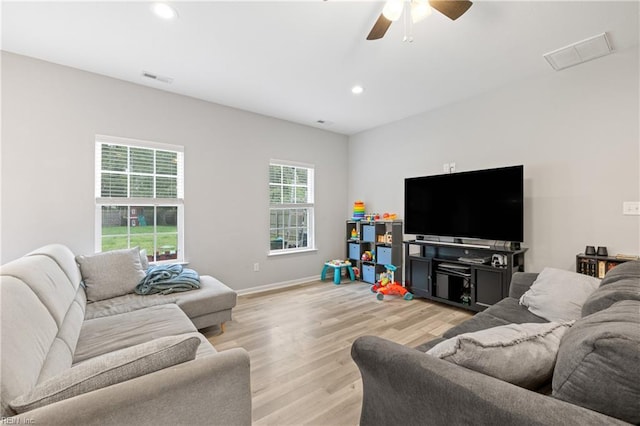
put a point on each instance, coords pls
(169, 262)
(291, 251)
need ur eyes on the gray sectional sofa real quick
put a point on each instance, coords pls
(125, 360)
(594, 380)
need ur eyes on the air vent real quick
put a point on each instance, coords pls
(160, 78)
(579, 52)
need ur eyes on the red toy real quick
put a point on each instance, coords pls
(387, 285)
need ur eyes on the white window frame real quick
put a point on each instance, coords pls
(139, 201)
(309, 206)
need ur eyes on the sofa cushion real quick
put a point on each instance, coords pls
(26, 339)
(212, 296)
(144, 260)
(42, 307)
(127, 303)
(102, 335)
(506, 311)
(520, 283)
(598, 362)
(558, 295)
(620, 283)
(522, 354)
(111, 273)
(109, 369)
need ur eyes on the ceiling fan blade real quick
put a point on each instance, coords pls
(379, 28)
(452, 9)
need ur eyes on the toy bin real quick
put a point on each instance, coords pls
(369, 233)
(369, 273)
(354, 251)
(383, 255)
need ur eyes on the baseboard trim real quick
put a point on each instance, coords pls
(277, 286)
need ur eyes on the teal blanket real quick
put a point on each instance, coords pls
(165, 279)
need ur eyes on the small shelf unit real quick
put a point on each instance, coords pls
(381, 238)
(597, 266)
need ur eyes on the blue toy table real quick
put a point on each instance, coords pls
(337, 271)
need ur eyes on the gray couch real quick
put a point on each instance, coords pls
(51, 337)
(597, 369)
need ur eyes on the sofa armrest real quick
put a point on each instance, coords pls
(211, 390)
(520, 283)
(402, 386)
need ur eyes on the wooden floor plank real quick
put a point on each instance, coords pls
(299, 340)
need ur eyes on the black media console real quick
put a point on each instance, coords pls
(458, 274)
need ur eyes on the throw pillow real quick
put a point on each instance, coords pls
(558, 295)
(620, 283)
(522, 354)
(109, 369)
(111, 273)
(144, 260)
(598, 362)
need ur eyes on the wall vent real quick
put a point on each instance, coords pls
(577, 53)
(161, 78)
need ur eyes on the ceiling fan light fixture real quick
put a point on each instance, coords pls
(420, 9)
(164, 11)
(393, 9)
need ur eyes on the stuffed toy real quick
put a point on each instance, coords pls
(387, 285)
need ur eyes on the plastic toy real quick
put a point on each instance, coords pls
(367, 256)
(358, 210)
(387, 285)
(338, 265)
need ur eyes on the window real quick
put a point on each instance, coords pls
(290, 207)
(139, 197)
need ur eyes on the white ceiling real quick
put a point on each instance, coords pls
(297, 60)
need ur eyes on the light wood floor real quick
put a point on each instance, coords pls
(299, 340)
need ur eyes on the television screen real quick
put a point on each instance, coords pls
(482, 204)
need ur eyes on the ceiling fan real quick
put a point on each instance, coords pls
(419, 9)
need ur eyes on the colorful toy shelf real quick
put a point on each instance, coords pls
(373, 244)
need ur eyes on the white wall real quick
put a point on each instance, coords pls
(576, 132)
(50, 116)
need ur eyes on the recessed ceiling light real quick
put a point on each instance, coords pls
(356, 90)
(164, 11)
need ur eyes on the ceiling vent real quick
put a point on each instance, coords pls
(577, 53)
(161, 78)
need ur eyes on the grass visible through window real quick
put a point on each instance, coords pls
(115, 237)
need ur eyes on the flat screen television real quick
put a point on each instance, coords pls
(481, 204)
